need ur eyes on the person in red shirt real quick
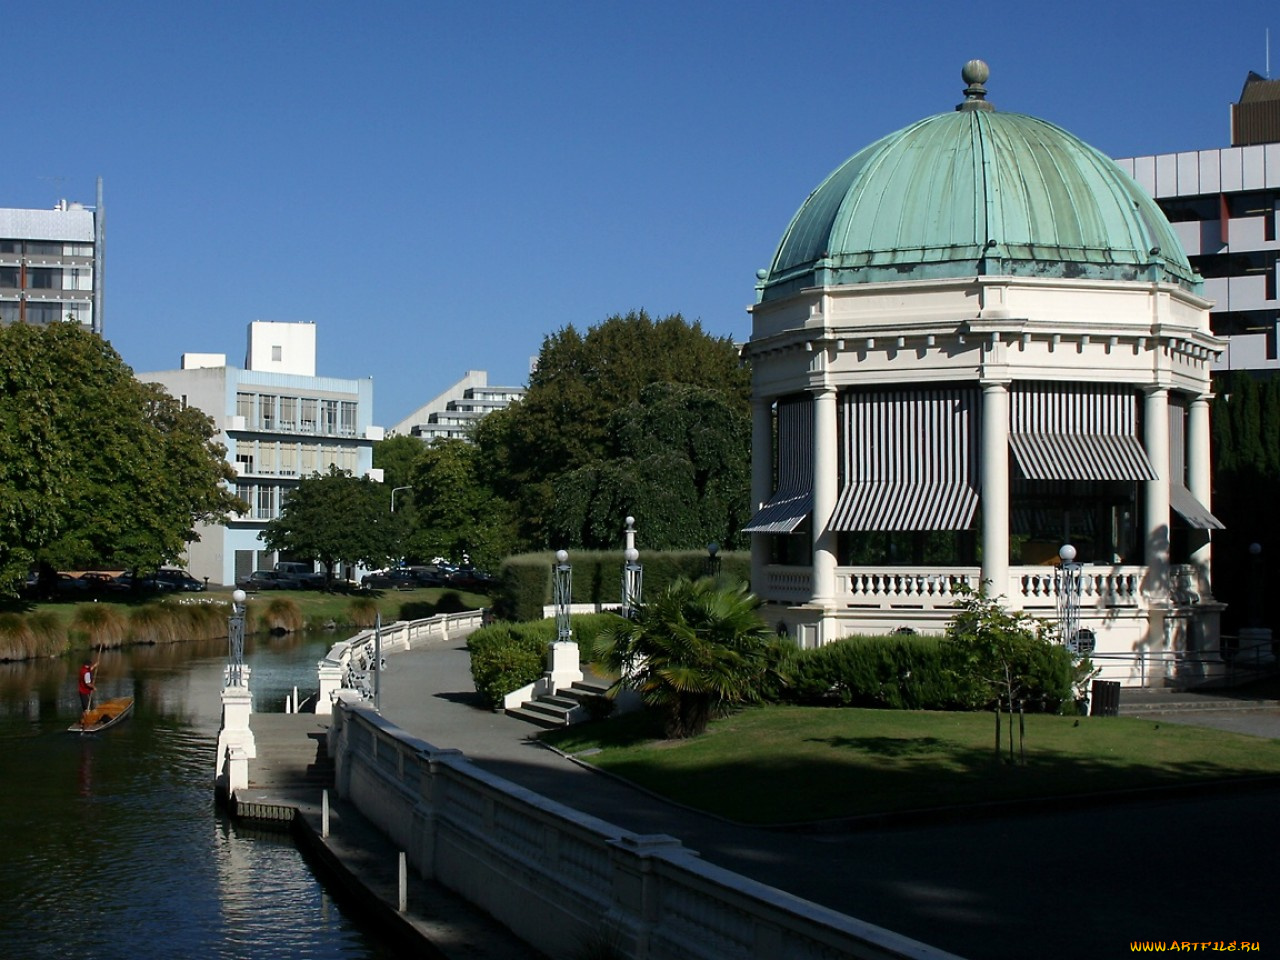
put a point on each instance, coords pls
(85, 684)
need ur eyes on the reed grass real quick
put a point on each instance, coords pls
(100, 625)
(362, 612)
(282, 615)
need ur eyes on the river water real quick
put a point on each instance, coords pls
(111, 845)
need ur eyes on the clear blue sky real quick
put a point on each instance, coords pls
(438, 186)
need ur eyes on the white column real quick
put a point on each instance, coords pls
(761, 485)
(995, 487)
(825, 480)
(1156, 418)
(1199, 483)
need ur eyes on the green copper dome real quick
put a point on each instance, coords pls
(976, 192)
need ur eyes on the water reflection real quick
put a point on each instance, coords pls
(112, 846)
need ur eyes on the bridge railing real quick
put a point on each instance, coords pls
(559, 878)
(349, 664)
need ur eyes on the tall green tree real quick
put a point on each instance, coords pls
(564, 422)
(456, 514)
(336, 518)
(395, 457)
(96, 469)
(699, 648)
(677, 459)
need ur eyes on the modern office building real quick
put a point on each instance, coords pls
(977, 343)
(279, 422)
(51, 264)
(1223, 203)
(452, 414)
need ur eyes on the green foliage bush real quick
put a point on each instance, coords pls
(508, 656)
(525, 580)
(899, 672)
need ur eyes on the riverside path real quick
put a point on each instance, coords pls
(1084, 879)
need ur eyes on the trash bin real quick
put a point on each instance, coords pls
(1105, 698)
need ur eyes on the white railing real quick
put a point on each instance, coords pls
(558, 878)
(348, 664)
(935, 588)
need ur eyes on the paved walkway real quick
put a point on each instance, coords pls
(1084, 880)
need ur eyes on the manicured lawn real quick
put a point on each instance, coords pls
(773, 765)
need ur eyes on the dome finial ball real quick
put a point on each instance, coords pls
(975, 71)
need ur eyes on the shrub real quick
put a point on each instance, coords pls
(362, 612)
(282, 615)
(100, 624)
(1006, 656)
(16, 641)
(898, 672)
(498, 670)
(151, 623)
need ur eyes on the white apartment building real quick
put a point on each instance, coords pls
(280, 422)
(51, 264)
(1222, 204)
(452, 414)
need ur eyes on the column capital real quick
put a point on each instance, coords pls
(989, 384)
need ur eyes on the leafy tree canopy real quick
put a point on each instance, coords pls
(97, 469)
(457, 515)
(566, 420)
(334, 518)
(396, 457)
(678, 460)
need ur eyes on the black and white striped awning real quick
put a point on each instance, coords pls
(1181, 499)
(792, 501)
(1085, 431)
(910, 457)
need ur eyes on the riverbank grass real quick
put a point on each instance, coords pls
(777, 764)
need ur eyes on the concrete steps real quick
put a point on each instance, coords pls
(563, 708)
(1140, 701)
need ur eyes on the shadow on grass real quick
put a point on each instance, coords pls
(763, 775)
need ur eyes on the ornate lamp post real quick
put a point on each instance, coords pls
(563, 664)
(561, 595)
(1068, 582)
(632, 573)
(235, 641)
(713, 559)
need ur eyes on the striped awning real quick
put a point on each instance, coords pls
(909, 460)
(1080, 456)
(1181, 499)
(792, 501)
(1077, 431)
(1192, 510)
(905, 506)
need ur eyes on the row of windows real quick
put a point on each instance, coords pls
(273, 459)
(335, 418)
(46, 248)
(46, 278)
(264, 501)
(45, 312)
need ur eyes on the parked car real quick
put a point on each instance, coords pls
(68, 586)
(103, 584)
(181, 580)
(267, 580)
(472, 579)
(302, 573)
(148, 584)
(390, 580)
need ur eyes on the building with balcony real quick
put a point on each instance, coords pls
(279, 422)
(51, 264)
(1222, 204)
(453, 413)
(979, 341)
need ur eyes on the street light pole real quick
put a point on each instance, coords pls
(1068, 576)
(394, 491)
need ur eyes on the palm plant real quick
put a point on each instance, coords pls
(697, 649)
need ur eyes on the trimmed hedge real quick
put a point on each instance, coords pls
(525, 580)
(916, 673)
(507, 656)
